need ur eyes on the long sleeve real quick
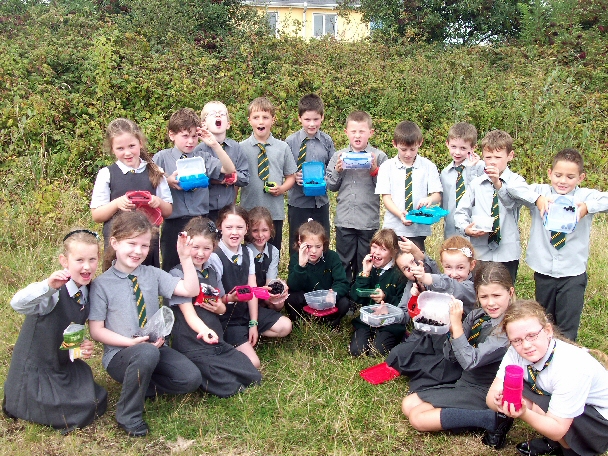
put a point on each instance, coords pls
(37, 298)
(464, 291)
(332, 177)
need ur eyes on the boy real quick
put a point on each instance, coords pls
(270, 161)
(559, 260)
(184, 131)
(487, 196)
(308, 144)
(406, 182)
(357, 215)
(222, 191)
(465, 166)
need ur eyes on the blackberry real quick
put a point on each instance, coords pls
(429, 321)
(276, 288)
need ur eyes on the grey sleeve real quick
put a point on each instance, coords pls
(242, 168)
(489, 351)
(166, 283)
(462, 214)
(332, 177)
(516, 183)
(463, 291)
(37, 298)
(273, 267)
(177, 300)
(98, 300)
(405, 299)
(213, 165)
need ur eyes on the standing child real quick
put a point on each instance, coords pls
(478, 345)
(565, 388)
(122, 300)
(185, 130)
(380, 272)
(315, 267)
(222, 191)
(465, 166)
(43, 385)
(133, 170)
(308, 144)
(406, 182)
(358, 207)
(559, 260)
(243, 321)
(488, 196)
(271, 166)
(198, 333)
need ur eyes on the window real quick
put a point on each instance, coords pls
(324, 24)
(273, 20)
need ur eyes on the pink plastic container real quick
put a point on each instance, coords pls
(513, 385)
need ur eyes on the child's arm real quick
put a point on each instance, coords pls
(197, 325)
(163, 198)
(253, 313)
(297, 278)
(393, 209)
(100, 333)
(189, 286)
(432, 199)
(333, 173)
(289, 182)
(209, 139)
(37, 298)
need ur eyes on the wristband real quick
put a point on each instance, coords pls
(374, 173)
(364, 274)
(253, 323)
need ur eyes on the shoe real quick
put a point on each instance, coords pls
(140, 430)
(536, 447)
(497, 438)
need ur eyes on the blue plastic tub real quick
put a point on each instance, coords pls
(427, 215)
(193, 181)
(313, 175)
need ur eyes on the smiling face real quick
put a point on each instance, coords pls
(127, 148)
(494, 298)
(202, 248)
(405, 261)
(215, 118)
(185, 140)
(565, 176)
(233, 229)
(315, 247)
(260, 234)
(358, 134)
(81, 262)
(131, 252)
(381, 256)
(311, 122)
(261, 122)
(456, 265)
(532, 350)
(407, 154)
(498, 158)
(459, 149)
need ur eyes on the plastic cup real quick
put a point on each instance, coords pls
(513, 385)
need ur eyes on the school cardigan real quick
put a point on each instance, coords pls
(391, 281)
(326, 273)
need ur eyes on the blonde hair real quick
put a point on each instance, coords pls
(261, 104)
(80, 235)
(207, 108)
(127, 225)
(464, 131)
(497, 140)
(312, 228)
(386, 238)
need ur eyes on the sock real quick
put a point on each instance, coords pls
(454, 418)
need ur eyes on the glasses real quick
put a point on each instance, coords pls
(217, 114)
(530, 338)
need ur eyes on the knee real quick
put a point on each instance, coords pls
(145, 357)
(192, 379)
(408, 403)
(283, 327)
(358, 346)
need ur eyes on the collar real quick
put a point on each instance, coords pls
(176, 154)
(229, 253)
(386, 267)
(73, 289)
(553, 192)
(205, 266)
(254, 140)
(464, 164)
(540, 364)
(506, 175)
(497, 321)
(303, 135)
(402, 165)
(126, 169)
(255, 250)
(124, 275)
(321, 258)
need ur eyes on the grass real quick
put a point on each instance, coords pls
(311, 401)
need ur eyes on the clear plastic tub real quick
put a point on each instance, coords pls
(321, 299)
(483, 223)
(367, 315)
(436, 306)
(365, 292)
(562, 215)
(357, 160)
(313, 176)
(191, 173)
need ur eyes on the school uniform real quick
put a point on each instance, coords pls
(280, 165)
(574, 385)
(42, 384)
(225, 371)
(186, 205)
(560, 274)
(357, 215)
(266, 263)
(391, 181)
(319, 148)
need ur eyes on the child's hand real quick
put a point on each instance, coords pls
(470, 231)
(214, 305)
(494, 175)
(277, 190)
(425, 202)
(173, 181)
(542, 203)
(582, 210)
(303, 254)
(473, 158)
(280, 298)
(299, 178)
(154, 201)
(367, 264)
(206, 136)
(58, 279)
(208, 336)
(381, 310)
(405, 245)
(378, 296)
(374, 167)
(253, 335)
(417, 270)
(184, 245)
(158, 342)
(139, 340)
(405, 221)
(123, 203)
(456, 312)
(340, 164)
(87, 348)
(415, 291)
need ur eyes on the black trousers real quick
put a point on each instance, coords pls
(367, 340)
(168, 240)
(298, 215)
(352, 245)
(277, 240)
(296, 301)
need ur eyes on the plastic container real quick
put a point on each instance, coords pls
(513, 385)
(426, 215)
(562, 215)
(365, 292)
(436, 306)
(159, 325)
(313, 176)
(260, 293)
(483, 223)
(357, 160)
(321, 299)
(191, 173)
(379, 373)
(320, 313)
(367, 315)
(243, 293)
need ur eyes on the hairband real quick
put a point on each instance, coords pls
(213, 229)
(464, 250)
(71, 233)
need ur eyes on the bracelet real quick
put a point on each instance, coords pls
(364, 274)
(253, 323)
(374, 173)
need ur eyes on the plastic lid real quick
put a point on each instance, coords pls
(313, 171)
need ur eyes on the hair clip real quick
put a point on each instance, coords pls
(464, 250)
(71, 233)
(213, 229)
(310, 219)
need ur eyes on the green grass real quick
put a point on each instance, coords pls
(311, 401)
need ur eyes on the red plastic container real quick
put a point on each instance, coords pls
(513, 385)
(243, 293)
(379, 373)
(320, 313)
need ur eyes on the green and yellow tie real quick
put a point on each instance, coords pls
(409, 201)
(263, 172)
(139, 300)
(205, 273)
(183, 156)
(235, 259)
(259, 257)
(302, 154)
(459, 183)
(533, 373)
(494, 237)
(476, 330)
(558, 239)
(78, 297)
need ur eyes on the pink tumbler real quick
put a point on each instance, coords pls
(513, 385)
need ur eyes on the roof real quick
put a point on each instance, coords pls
(297, 4)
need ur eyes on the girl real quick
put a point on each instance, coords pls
(43, 385)
(266, 255)
(478, 345)
(122, 299)
(565, 388)
(420, 357)
(234, 263)
(133, 170)
(379, 271)
(314, 267)
(197, 332)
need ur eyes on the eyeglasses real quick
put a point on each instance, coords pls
(217, 114)
(530, 338)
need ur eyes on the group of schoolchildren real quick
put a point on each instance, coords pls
(210, 246)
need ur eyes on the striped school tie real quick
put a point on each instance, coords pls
(235, 259)
(476, 330)
(302, 154)
(205, 273)
(409, 201)
(533, 373)
(259, 257)
(459, 184)
(183, 156)
(224, 145)
(139, 300)
(558, 239)
(78, 298)
(494, 237)
(263, 172)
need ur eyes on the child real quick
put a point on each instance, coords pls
(222, 191)
(197, 332)
(565, 388)
(42, 384)
(478, 345)
(184, 131)
(487, 196)
(465, 166)
(122, 300)
(266, 255)
(270, 161)
(133, 170)
(420, 357)
(308, 144)
(234, 263)
(379, 271)
(315, 267)
(357, 215)
(559, 260)
(406, 182)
